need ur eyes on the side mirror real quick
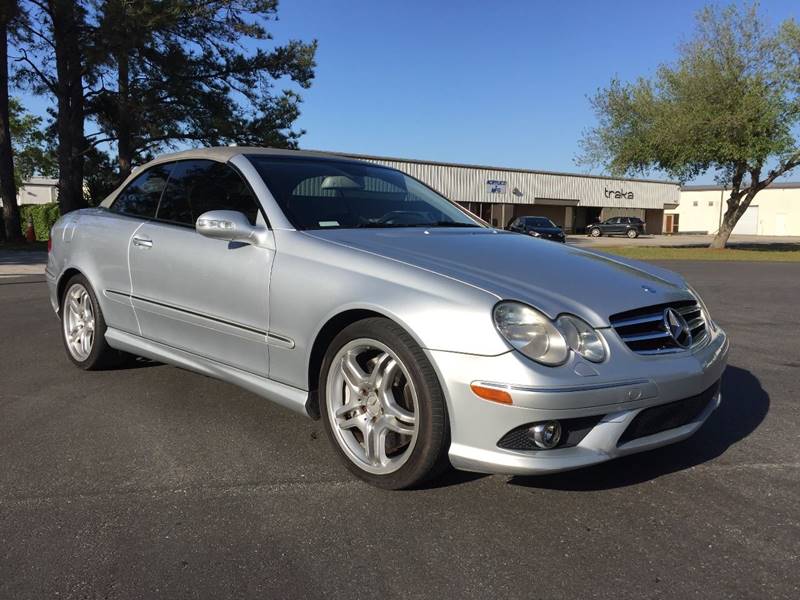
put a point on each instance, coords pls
(231, 226)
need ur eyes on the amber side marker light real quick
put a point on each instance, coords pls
(491, 394)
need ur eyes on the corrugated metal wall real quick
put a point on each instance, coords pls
(468, 184)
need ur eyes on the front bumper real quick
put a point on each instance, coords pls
(553, 237)
(616, 391)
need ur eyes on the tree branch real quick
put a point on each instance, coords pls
(50, 83)
(790, 163)
(38, 34)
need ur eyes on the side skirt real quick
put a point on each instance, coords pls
(285, 395)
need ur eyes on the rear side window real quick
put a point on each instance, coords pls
(140, 197)
(197, 186)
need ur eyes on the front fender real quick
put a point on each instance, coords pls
(313, 280)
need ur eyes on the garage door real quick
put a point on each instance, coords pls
(748, 224)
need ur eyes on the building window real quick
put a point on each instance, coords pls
(694, 203)
(711, 203)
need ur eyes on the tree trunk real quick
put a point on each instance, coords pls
(721, 239)
(69, 122)
(737, 205)
(124, 142)
(10, 228)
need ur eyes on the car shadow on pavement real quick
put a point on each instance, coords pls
(449, 478)
(744, 405)
(137, 362)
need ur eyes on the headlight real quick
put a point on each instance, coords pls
(535, 233)
(531, 332)
(582, 338)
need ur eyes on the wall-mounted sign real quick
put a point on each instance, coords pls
(618, 194)
(496, 186)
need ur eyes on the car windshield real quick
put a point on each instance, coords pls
(540, 222)
(333, 194)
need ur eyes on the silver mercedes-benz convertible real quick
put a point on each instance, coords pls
(353, 293)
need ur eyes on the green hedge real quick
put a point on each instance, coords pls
(43, 217)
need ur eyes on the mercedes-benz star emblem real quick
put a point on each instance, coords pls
(677, 327)
(648, 289)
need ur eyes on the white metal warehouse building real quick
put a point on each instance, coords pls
(775, 211)
(571, 201)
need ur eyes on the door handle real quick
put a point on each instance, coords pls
(142, 242)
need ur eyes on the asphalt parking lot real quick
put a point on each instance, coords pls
(157, 482)
(735, 241)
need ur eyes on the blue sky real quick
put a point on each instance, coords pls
(499, 83)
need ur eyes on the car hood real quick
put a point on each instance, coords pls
(547, 230)
(552, 277)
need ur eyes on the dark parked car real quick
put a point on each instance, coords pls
(540, 227)
(633, 227)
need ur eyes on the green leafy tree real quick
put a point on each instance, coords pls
(52, 41)
(9, 224)
(730, 105)
(177, 71)
(155, 73)
(100, 176)
(33, 154)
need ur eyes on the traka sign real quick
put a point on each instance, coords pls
(618, 194)
(496, 186)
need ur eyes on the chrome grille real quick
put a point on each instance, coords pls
(643, 329)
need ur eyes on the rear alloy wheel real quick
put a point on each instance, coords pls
(79, 323)
(595, 232)
(632, 234)
(84, 328)
(382, 406)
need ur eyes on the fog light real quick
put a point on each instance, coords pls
(546, 435)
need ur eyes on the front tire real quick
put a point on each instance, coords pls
(595, 232)
(83, 328)
(382, 406)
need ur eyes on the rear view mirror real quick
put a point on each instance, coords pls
(231, 226)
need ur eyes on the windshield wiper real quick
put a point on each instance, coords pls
(376, 224)
(447, 224)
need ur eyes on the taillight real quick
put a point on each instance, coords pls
(49, 244)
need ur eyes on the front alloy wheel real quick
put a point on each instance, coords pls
(595, 232)
(374, 406)
(382, 405)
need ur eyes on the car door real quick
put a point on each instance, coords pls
(205, 296)
(613, 226)
(516, 225)
(110, 232)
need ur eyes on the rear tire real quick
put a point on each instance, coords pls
(632, 234)
(382, 406)
(595, 232)
(83, 328)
